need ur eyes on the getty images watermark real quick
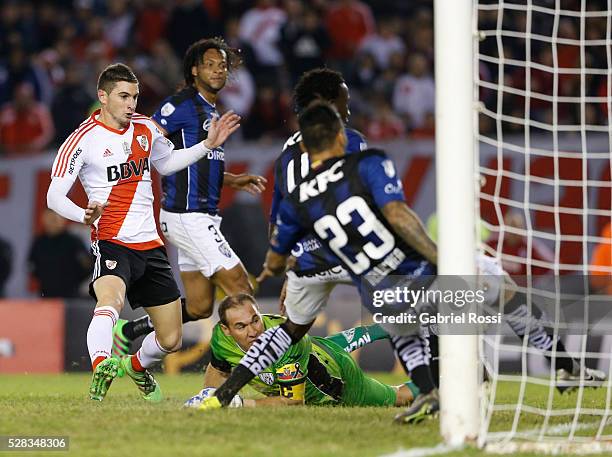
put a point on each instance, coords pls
(446, 304)
(429, 303)
(464, 305)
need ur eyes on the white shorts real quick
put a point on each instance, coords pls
(308, 295)
(200, 243)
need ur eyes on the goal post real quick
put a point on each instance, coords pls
(543, 84)
(456, 207)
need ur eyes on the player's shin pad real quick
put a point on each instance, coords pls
(267, 349)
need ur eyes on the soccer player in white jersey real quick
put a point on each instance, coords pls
(111, 153)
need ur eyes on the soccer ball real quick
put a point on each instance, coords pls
(197, 399)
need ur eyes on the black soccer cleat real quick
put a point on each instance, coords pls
(567, 382)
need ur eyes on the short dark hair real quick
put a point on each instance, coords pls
(315, 84)
(196, 51)
(319, 124)
(114, 73)
(233, 301)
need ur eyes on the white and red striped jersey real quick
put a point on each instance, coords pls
(114, 166)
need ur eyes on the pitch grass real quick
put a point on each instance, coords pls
(124, 425)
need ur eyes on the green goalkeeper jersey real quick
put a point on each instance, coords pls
(309, 369)
(316, 370)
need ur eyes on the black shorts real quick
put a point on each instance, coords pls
(147, 274)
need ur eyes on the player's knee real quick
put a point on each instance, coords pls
(199, 309)
(236, 281)
(171, 342)
(110, 300)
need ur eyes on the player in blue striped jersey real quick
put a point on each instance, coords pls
(315, 271)
(189, 217)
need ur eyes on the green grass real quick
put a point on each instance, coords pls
(124, 425)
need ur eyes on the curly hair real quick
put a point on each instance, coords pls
(196, 51)
(319, 83)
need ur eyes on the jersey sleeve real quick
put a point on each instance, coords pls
(69, 160)
(172, 117)
(66, 167)
(222, 351)
(288, 230)
(378, 173)
(161, 146)
(292, 370)
(356, 141)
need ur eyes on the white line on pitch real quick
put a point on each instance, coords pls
(424, 451)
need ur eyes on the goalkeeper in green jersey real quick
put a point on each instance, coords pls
(314, 371)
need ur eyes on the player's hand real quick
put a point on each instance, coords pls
(93, 211)
(265, 274)
(253, 184)
(220, 129)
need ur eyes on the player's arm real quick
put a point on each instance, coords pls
(65, 169)
(408, 225)
(253, 184)
(282, 400)
(214, 377)
(378, 172)
(167, 160)
(286, 234)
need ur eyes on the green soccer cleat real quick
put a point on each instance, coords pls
(102, 378)
(146, 383)
(424, 406)
(121, 343)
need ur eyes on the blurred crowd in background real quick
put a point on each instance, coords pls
(51, 53)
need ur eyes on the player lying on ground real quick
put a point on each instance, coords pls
(313, 371)
(355, 206)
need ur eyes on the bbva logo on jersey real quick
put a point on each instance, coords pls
(126, 170)
(318, 185)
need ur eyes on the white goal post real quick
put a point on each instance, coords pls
(455, 202)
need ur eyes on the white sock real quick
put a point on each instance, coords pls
(150, 351)
(100, 332)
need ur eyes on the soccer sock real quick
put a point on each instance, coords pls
(149, 353)
(434, 358)
(267, 349)
(186, 316)
(413, 388)
(519, 319)
(412, 354)
(139, 327)
(100, 333)
(357, 337)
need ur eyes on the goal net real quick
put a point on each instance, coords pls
(543, 79)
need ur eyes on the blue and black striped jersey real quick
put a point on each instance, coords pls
(290, 169)
(186, 117)
(340, 203)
